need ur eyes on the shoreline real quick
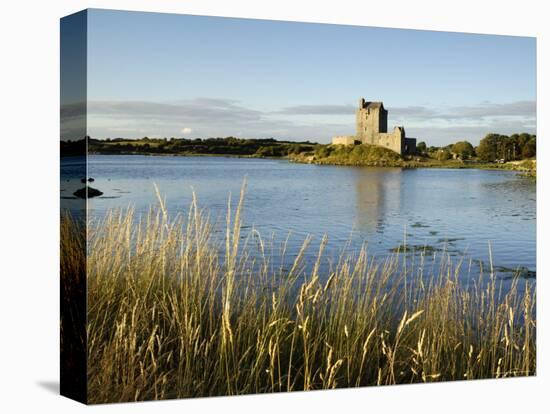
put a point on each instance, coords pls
(157, 154)
(514, 166)
(426, 165)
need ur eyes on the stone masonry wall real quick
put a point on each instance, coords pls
(391, 140)
(343, 140)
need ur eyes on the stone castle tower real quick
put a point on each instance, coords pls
(371, 125)
(371, 118)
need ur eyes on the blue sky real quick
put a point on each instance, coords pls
(157, 75)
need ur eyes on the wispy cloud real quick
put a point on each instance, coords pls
(445, 133)
(73, 121)
(318, 110)
(207, 117)
(472, 122)
(202, 117)
(201, 109)
(482, 110)
(415, 112)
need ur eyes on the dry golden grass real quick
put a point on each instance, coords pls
(73, 308)
(175, 312)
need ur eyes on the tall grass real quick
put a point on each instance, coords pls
(173, 311)
(73, 381)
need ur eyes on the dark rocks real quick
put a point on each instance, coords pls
(87, 192)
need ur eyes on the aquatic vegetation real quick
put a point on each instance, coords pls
(419, 225)
(415, 248)
(519, 272)
(449, 240)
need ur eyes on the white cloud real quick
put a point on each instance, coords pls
(318, 110)
(226, 117)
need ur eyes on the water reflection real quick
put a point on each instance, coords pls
(377, 191)
(457, 211)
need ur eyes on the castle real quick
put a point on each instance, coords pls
(371, 126)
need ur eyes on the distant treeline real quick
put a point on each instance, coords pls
(71, 148)
(491, 148)
(266, 147)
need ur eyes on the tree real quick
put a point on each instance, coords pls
(463, 149)
(488, 147)
(524, 138)
(421, 147)
(529, 150)
(512, 148)
(526, 148)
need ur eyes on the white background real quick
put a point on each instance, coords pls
(29, 168)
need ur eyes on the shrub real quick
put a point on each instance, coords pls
(443, 155)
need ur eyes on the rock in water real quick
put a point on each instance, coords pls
(91, 192)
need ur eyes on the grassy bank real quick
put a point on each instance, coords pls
(300, 152)
(177, 311)
(375, 156)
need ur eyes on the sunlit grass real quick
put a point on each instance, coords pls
(175, 311)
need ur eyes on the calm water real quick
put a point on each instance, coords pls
(460, 211)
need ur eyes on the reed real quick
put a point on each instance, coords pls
(175, 312)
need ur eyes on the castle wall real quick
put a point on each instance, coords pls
(344, 140)
(392, 140)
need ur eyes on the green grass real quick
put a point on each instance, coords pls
(176, 311)
(364, 154)
(376, 156)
